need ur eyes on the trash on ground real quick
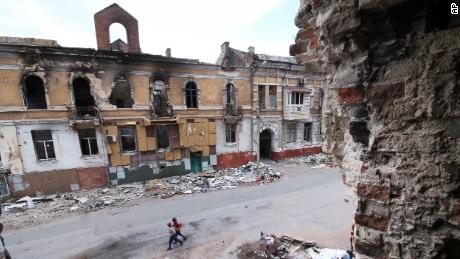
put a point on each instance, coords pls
(320, 160)
(284, 247)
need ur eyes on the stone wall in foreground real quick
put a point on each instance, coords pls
(391, 117)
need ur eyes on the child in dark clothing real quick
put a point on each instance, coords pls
(177, 227)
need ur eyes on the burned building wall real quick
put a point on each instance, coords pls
(391, 117)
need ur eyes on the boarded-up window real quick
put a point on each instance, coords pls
(88, 142)
(272, 97)
(44, 146)
(175, 139)
(150, 131)
(162, 134)
(307, 131)
(128, 138)
(291, 132)
(230, 133)
(191, 95)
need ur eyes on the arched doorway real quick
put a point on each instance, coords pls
(265, 142)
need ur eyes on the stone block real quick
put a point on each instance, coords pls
(350, 95)
(372, 221)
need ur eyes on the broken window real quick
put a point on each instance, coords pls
(307, 131)
(34, 92)
(230, 133)
(162, 134)
(230, 92)
(291, 132)
(121, 94)
(160, 99)
(295, 98)
(191, 95)
(128, 138)
(261, 97)
(88, 142)
(43, 142)
(272, 97)
(84, 100)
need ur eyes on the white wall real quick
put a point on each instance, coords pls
(9, 150)
(243, 137)
(66, 147)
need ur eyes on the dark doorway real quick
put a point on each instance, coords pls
(265, 144)
(34, 92)
(195, 159)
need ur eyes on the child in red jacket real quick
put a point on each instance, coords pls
(177, 227)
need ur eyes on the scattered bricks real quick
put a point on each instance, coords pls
(350, 95)
(372, 221)
(380, 93)
(375, 192)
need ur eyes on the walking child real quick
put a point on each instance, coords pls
(172, 236)
(177, 227)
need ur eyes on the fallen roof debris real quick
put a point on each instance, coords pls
(319, 160)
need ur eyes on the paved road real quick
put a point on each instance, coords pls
(306, 203)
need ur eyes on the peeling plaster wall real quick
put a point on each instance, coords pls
(243, 137)
(66, 146)
(9, 150)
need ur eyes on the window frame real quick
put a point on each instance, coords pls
(261, 102)
(191, 95)
(297, 97)
(272, 92)
(291, 132)
(134, 136)
(88, 142)
(44, 146)
(230, 133)
(308, 135)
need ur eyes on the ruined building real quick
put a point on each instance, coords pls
(391, 117)
(77, 118)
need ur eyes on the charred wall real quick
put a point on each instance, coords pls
(391, 117)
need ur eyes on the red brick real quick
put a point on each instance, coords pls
(295, 153)
(372, 221)
(305, 34)
(112, 14)
(230, 160)
(92, 177)
(313, 43)
(374, 192)
(350, 95)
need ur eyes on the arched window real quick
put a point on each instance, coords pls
(34, 93)
(121, 94)
(230, 92)
(82, 93)
(191, 95)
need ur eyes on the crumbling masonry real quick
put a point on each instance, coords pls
(74, 118)
(391, 117)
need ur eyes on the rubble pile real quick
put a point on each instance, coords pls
(284, 247)
(249, 174)
(32, 210)
(320, 160)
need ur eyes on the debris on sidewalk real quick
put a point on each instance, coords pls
(284, 247)
(319, 160)
(29, 210)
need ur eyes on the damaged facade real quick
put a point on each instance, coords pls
(76, 118)
(392, 117)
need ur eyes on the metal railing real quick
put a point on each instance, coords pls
(85, 113)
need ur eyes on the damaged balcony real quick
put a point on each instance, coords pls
(298, 104)
(233, 113)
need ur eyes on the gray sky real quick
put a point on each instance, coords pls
(191, 28)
